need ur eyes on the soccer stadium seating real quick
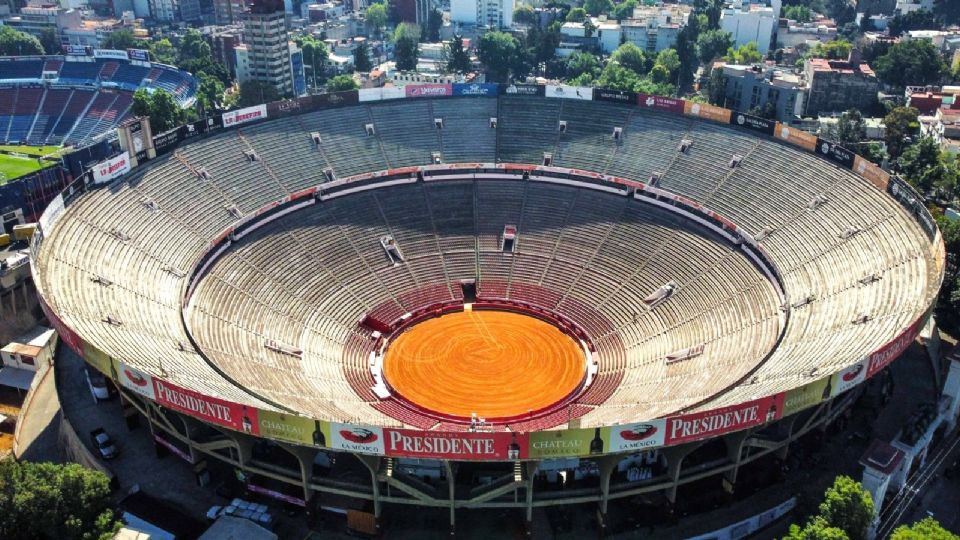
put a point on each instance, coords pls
(589, 257)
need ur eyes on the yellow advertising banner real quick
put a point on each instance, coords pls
(98, 359)
(292, 428)
(796, 137)
(569, 443)
(807, 396)
(707, 111)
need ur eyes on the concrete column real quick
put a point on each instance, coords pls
(451, 495)
(674, 456)
(952, 389)
(734, 444)
(305, 460)
(877, 483)
(531, 467)
(372, 463)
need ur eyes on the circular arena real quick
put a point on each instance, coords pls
(507, 279)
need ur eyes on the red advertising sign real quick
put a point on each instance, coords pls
(217, 411)
(703, 425)
(886, 354)
(455, 445)
(660, 103)
(172, 448)
(66, 334)
(276, 495)
(428, 90)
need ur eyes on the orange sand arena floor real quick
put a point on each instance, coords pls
(494, 363)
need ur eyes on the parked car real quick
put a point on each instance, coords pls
(99, 388)
(103, 443)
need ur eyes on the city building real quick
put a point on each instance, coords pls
(266, 54)
(412, 11)
(748, 22)
(222, 42)
(654, 28)
(909, 6)
(753, 87)
(175, 10)
(573, 38)
(839, 85)
(228, 11)
(35, 19)
(93, 32)
(490, 13)
(807, 34)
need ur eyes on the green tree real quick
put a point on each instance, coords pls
(315, 56)
(121, 40)
(434, 22)
(49, 41)
(686, 47)
(901, 123)
(713, 44)
(947, 10)
(341, 83)
(597, 7)
(817, 529)
(712, 10)
(838, 49)
(524, 14)
(624, 10)
(841, 11)
(745, 54)
(458, 60)
(499, 53)
(210, 92)
(797, 13)
(376, 17)
(583, 63)
(660, 74)
(717, 87)
(16, 43)
(160, 106)
(920, 19)
(257, 92)
(768, 111)
(361, 58)
(406, 39)
(850, 129)
(192, 46)
(916, 62)
(163, 51)
(577, 14)
(44, 500)
(923, 167)
(847, 506)
(617, 77)
(632, 57)
(926, 529)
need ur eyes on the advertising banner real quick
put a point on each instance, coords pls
(871, 172)
(242, 116)
(641, 436)
(796, 137)
(111, 169)
(661, 103)
(807, 396)
(753, 122)
(882, 357)
(336, 99)
(295, 429)
(138, 54)
(455, 445)
(848, 378)
(523, 89)
(616, 96)
(99, 359)
(835, 153)
(276, 495)
(174, 449)
(133, 379)
(706, 111)
(188, 131)
(111, 53)
(568, 442)
(475, 89)
(214, 410)
(165, 142)
(703, 425)
(428, 90)
(52, 213)
(369, 94)
(362, 439)
(913, 203)
(76, 50)
(568, 92)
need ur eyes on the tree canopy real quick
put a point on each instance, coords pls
(632, 57)
(623, 10)
(500, 53)
(597, 7)
(315, 55)
(44, 500)
(920, 19)
(406, 39)
(583, 63)
(901, 123)
(257, 92)
(837, 49)
(915, 63)
(49, 41)
(713, 44)
(361, 58)
(458, 60)
(845, 514)
(745, 54)
(432, 28)
(524, 14)
(925, 529)
(210, 92)
(160, 107)
(341, 83)
(376, 17)
(122, 40)
(16, 43)
(577, 14)
(797, 13)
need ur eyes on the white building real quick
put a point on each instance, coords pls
(751, 22)
(608, 34)
(909, 6)
(492, 13)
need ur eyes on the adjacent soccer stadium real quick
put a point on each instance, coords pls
(473, 288)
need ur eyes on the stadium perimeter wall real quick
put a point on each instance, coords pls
(492, 446)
